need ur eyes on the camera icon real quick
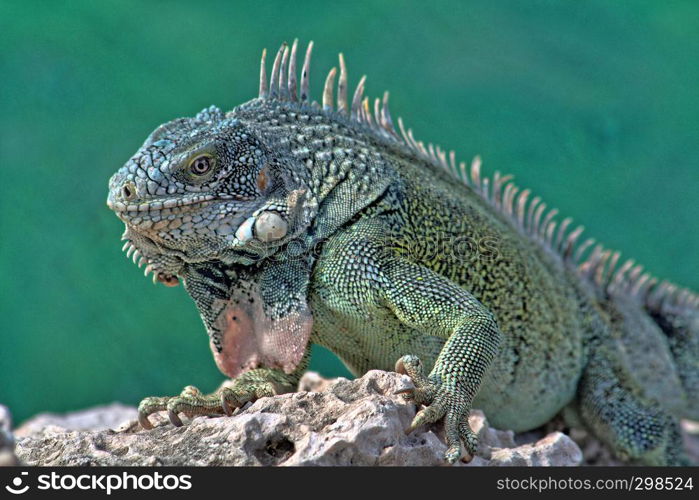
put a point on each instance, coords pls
(16, 488)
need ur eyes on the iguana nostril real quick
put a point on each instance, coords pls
(128, 191)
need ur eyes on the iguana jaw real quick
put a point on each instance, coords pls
(163, 264)
(172, 224)
(164, 239)
(158, 205)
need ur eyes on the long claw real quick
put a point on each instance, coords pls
(400, 367)
(174, 418)
(226, 406)
(145, 423)
(418, 421)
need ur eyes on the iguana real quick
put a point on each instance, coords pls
(292, 222)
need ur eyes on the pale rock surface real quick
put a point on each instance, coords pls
(328, 422)
(7, 442)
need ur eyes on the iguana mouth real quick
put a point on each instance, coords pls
(160, 205)
(195, 201)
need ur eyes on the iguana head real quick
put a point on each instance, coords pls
(205, 188)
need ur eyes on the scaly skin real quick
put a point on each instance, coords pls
(290, 224)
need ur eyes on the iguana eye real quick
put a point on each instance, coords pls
(201, 165)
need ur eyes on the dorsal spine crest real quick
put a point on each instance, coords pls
(532, 218)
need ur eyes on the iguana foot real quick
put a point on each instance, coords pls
(238, 395)
(190, 402)
(232, 394)
(440, 400)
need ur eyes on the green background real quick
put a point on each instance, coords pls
(593, 104)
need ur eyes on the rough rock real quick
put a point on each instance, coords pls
(7, 442)
(328, 422)
(101, 418)
(690, 436)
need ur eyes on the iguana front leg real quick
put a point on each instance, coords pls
(431, 303)
(249, 386)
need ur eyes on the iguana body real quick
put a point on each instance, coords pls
(293, 223)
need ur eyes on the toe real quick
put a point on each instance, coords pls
(226, 398)
(191, 391)
(230, 400)
(468, 437)
(424, 388)
(412, 367)
(174, 407)
(453, 453)
(143, 420)
(147, 407)
(427, 415)
(408, 393)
